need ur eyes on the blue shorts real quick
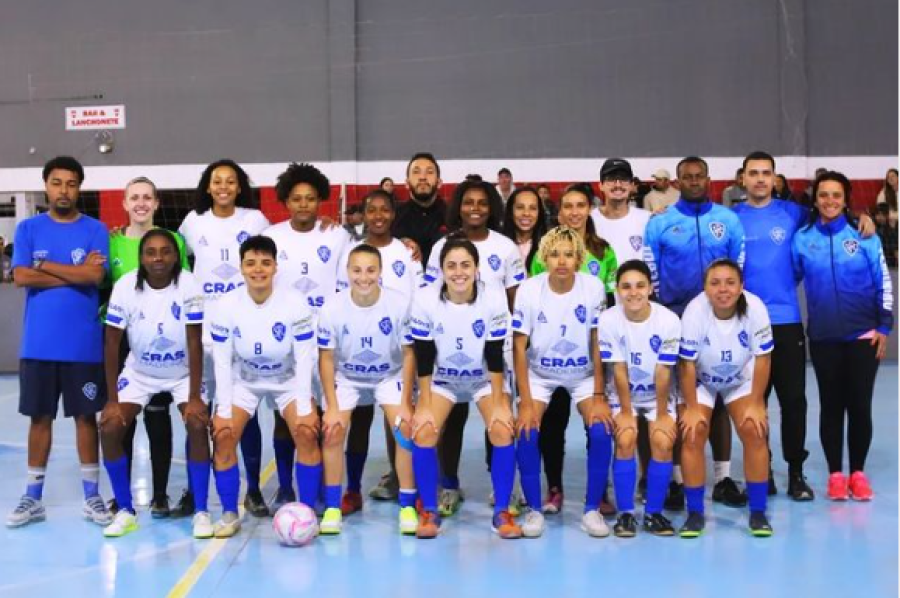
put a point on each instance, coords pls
(82, 386)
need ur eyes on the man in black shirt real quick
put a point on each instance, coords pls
(421, 219)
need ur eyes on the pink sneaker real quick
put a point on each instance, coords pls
(859, 487)
(837, 486)
(554, 502)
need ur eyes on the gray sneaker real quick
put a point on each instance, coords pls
(27, 511)
(388, 488)
(533, 524)
(94, 510)
(228, 525)
(593, 523)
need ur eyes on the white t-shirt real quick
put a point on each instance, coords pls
(366, 340)
(559, 326)
(398, 270)
(641, 346)
(499, 262)
(626, 235)
(215, 243)
(460, 332)
(308, 262)
(268, 347)
(155, 321)
(724, 349)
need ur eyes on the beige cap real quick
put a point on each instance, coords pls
(662, 173)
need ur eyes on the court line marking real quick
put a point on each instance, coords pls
(193, 574)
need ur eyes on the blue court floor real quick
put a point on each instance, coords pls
(819, 548)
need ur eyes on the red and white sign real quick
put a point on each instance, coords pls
(89, 118)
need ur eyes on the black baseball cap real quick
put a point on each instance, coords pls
(614, 166)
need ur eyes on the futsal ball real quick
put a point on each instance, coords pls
(295, 524)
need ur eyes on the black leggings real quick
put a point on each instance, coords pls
(159, 434)
(553, 436)
(450, 446)
(846, 375)
(789, 381)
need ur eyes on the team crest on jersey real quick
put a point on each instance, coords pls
(655, 343)
(637, 241)
(778, 235)
(581, 313)
(478, 328)
(121, 384)
(78, 256)
(203, 242)
(116, 262)
(278, 331)
(744, 339)
(851, 246)
(38, 256)
(494, 262)
(398, 268)
(593, 268)
(542, 318)
(242, 236)
(176, 310)
(385, 326)
(324, 254)
(717, 229)
(90, 391)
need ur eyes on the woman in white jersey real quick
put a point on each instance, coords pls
(475, 211)
(639, 342)
(459, 329)
(160, 307)
(555, 345)
(726, 341)
(224, 216)
(399, 272)
(365, 353)
(263, 350)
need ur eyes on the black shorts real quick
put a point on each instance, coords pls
(82, 386)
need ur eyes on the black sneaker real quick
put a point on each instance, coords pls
(759, 525)
(658, 525)
(626, 526)
(185, 506)
(675, 497)
(112, 506)
(255, 504)
(159, 507)
(773, 489)
(798, 489)
(693, 526)
(728, 493)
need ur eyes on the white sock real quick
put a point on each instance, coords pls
(676, 474)
(721, 470)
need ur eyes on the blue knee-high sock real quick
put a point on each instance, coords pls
(599, 456)
(251, 451)
(658, 475)
(624, 479)
(356, 462)
(198, 475)
(309, 479)
(529, 456)
(407, 498)
(118, 479)
(228, 484)
(757, 495)
(694, 498)
(425, 467)
(333, 497)
(503, 474)
(187, 460)
(284, 461)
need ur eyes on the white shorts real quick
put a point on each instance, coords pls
(249, 400)
(351, 394)
(707, 396)
(647, 410)
(463, 393)
(137, 388)
(542, 388)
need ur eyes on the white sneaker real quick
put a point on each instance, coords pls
(95, 510)
(123, 523)
(29, 510)
(228, 525)
(203, 525)
(593, 523)
(533, 524)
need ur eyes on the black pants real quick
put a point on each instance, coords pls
(553, 436)
(450, 446)
(158, 424)
(789, 381)
(846, 375)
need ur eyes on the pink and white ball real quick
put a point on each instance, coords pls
(295, 524)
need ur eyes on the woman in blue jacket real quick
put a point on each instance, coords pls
(849, 300)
